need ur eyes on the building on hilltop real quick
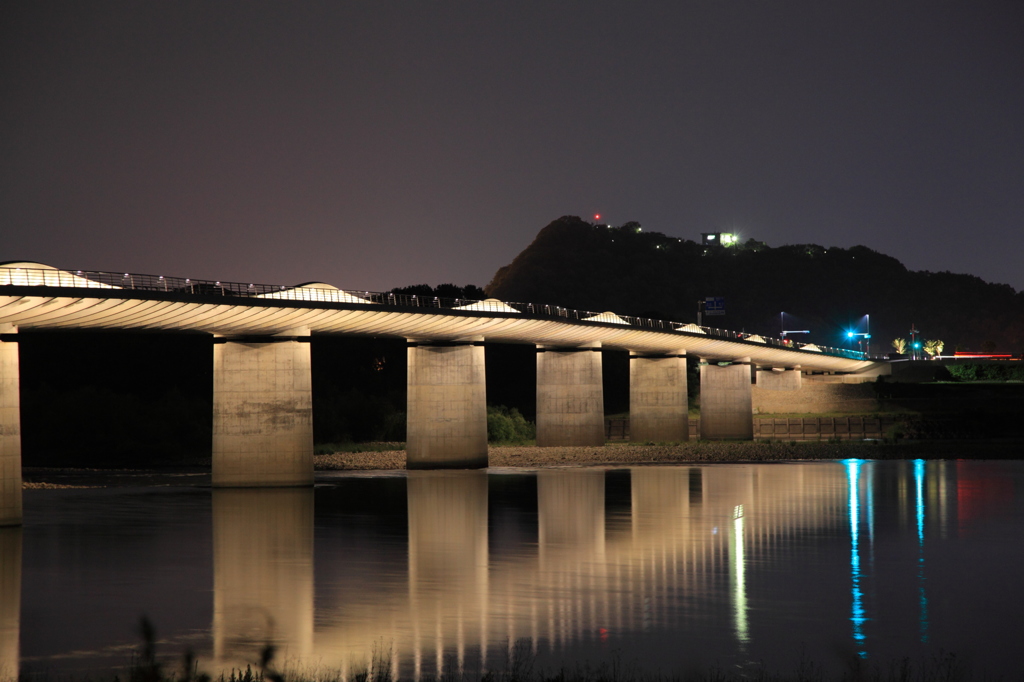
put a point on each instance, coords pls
(719, 238)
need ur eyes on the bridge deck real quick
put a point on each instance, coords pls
(33, 296)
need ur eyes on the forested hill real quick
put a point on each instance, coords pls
(826, 290)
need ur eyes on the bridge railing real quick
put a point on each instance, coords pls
(318, 292)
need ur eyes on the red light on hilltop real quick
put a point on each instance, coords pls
(597, 216)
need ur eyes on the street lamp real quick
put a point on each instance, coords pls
(864, 342)
(861, 341)
(782, 326)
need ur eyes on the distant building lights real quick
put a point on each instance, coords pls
(720, 238)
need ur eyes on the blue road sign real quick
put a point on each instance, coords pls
(714, 305)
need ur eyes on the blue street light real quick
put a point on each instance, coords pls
(865, 336)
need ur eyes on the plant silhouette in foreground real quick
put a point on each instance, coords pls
(520, 665)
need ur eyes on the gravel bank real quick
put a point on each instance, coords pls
(513, 456)
(531, 456)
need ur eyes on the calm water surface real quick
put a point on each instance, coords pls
(676, 568)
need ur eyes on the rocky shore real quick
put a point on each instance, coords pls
(197, 471)
(632, 454)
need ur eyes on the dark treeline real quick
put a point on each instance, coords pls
(123, 399)
(132, 399)
(470, 291)
(827, 290)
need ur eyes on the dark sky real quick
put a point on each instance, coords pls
(380, 144)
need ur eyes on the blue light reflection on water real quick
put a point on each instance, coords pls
(858, 613)
(919, 511)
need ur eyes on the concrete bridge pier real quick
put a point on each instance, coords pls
(10, 428)
(262, 411)
(726, 402)
(446, 416)
(570, 396)
(658, 409)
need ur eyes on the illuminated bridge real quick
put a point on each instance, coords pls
(262, 414)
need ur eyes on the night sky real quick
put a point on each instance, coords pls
(380, 144)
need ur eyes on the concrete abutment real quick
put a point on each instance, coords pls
(446, 417)
(262, 411)
(789, 379)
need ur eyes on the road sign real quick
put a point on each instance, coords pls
(714, 305)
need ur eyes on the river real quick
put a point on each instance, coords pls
(661, 569)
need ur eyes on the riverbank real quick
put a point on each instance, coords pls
(197, 472)
(698, 451)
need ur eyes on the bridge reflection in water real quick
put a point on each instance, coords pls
(681, 568)
(10, 601)
(687, 536)
(262, 573)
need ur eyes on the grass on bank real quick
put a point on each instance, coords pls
(520, 665)
(505, 426)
